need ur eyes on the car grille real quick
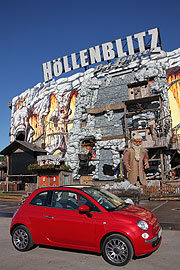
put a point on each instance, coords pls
(156, 242)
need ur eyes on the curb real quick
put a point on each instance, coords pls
(10, 199)
(170, 226)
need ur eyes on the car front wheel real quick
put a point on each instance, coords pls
(22, 239)
(117, 250)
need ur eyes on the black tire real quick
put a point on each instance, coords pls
(22, 239)
(117, 250)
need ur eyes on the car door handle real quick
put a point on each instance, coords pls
(49, 217)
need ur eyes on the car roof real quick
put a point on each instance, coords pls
(67, 186)
(77, 186)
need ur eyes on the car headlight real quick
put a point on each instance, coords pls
(142, 225)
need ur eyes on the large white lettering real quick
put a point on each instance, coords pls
(84, 57)
(74, 61)
(95, 54)
(130, 45)
(66, 64)
(57, 67)
(120, 48)
(108, 51)
(47, 71)
(154, 41)
(140, 38)
(105, 52)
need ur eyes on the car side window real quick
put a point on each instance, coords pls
(71, 200)
(41, 199)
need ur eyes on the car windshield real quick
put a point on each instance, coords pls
(108, 200)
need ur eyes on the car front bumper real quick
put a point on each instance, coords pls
(147, 246)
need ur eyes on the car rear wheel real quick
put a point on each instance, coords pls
(117, 250)
(22, 239)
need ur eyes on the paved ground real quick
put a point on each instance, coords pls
(8, 208)
(165, 258)
(168, 212)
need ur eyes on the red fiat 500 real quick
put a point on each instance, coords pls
(85, 218)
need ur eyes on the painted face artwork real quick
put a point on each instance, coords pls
(46, 118)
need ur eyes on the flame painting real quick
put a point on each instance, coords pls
(173, 80)
(45, 119)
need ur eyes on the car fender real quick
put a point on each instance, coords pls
(108, 228)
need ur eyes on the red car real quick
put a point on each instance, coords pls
(85, 218)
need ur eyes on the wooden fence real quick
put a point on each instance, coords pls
(165, 189)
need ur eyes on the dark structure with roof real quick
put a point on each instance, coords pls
(20, 154)
(3, 170)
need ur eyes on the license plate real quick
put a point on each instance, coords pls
(160, 233)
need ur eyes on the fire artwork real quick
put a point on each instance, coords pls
(173, 80)
(44, 117)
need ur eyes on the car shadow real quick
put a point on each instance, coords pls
(86, 251)
(70, 250)
(142, 256)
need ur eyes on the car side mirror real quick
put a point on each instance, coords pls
(84, 209)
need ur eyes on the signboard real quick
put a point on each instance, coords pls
(108, 51)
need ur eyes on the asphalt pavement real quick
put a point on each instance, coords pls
(8, 208)
(165, 258)
(167, 212)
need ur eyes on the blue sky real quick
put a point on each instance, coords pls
(36, 31)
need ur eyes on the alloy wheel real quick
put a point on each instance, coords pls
(20, 239)
(117, 250)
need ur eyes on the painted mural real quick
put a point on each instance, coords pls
(173, 80)
(44, 116)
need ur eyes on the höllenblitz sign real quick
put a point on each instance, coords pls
(107, 51)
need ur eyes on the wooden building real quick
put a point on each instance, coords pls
(19, 155)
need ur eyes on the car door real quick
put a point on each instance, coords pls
(66, 226)
(35, 213)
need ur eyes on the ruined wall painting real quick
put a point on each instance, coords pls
(173, 80)
(44, 117)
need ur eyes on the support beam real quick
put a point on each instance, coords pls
(104, 108)
(115, 137)
(162, 165)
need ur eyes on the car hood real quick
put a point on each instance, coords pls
(135, 212)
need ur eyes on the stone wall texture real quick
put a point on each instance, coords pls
(52, 113)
